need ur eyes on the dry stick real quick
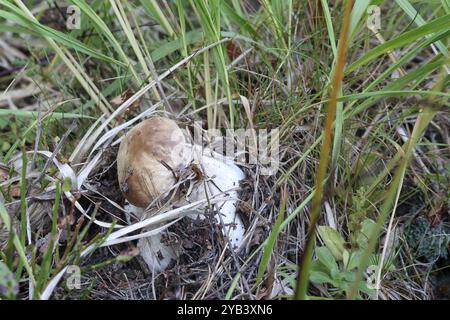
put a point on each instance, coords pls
(305, 261)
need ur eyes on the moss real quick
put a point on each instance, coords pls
(428, 242)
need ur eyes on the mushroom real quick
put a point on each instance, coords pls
(153, 158)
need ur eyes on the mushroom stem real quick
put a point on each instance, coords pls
(222, 177)
(156, 254)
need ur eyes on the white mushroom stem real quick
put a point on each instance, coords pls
(156, 254)
(222, 177)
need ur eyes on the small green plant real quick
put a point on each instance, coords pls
(428, 242)
(358, 214)
(336, 262)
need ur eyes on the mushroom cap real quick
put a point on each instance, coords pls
(148, 156)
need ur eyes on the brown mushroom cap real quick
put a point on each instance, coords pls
(148, 156)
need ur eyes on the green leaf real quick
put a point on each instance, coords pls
(329, 23)
(348, 276)
(346, 258)
(367, 227)
(324, 256)
(319, 277)
(35, 114)
(333, 241)
(418, 20)
(243, 23)
(67, 184)
(153, 9)
(436, 25)
(355, 258)
(316, 265)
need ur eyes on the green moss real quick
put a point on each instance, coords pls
(428, 242)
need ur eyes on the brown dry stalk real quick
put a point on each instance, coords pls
(305, 261)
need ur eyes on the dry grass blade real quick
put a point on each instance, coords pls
(305, 262)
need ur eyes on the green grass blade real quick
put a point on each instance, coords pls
(436, 25)
(419, 21)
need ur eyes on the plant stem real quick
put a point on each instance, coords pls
(305, 261)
